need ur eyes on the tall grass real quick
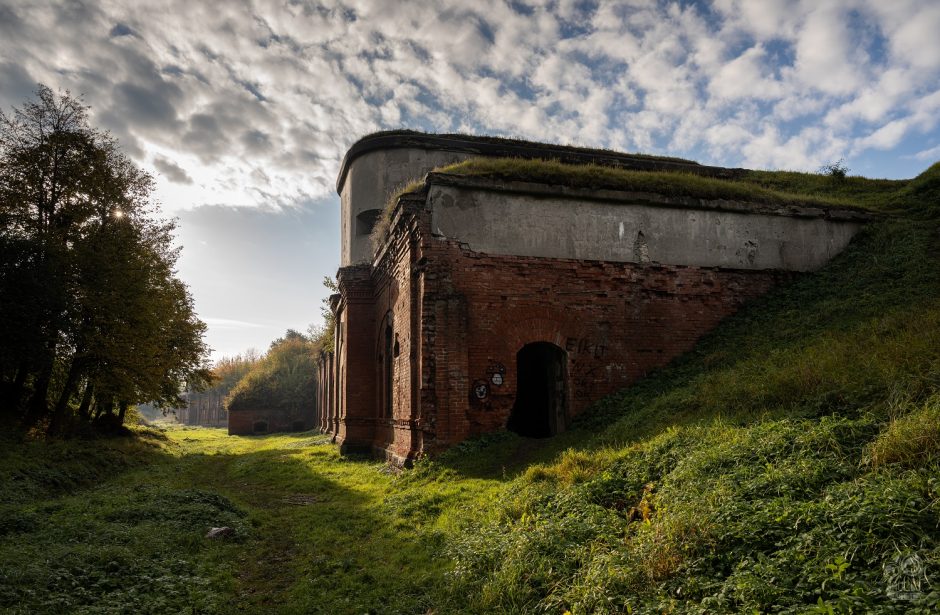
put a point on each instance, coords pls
(783, 466)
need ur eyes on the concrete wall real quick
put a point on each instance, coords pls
(693, 232)
(370, 178)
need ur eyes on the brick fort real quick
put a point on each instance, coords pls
(472, 304)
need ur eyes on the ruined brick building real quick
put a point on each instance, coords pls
(203, 408)
(493, 303)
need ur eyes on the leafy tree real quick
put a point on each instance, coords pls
(284, 379)
(324, 334)
(96, 315)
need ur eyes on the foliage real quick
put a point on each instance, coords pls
(911, 439)
(384, 221)
(836, 170)
(285, 378)
(94, 319)
(323, 335)
(225, 374)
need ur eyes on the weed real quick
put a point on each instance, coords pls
(836, 170)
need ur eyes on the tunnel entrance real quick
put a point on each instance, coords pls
(541, 393)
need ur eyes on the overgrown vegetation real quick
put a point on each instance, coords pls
(284, 378)
(789, 464)
(667, 183)
(119, 526)
(380, 231)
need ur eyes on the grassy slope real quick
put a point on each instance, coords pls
(778, 467)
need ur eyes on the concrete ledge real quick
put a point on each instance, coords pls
(536, 220)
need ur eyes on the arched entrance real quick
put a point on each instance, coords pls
(542, 391)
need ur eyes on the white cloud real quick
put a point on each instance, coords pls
(932, 153)
(256, 101)
(229, 323)
(745, 77)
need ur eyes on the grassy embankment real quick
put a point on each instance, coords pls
(782, 466)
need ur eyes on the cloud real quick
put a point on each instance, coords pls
(930, 154)
(230, 323)
(171, 170)
(16, 84)
(235, 88)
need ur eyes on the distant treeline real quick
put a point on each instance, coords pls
(283, 378)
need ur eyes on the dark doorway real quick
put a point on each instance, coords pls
(260, 426)
(541, 393)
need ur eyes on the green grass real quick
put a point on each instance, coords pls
(782, 466)
(757, 187)
(313, 533)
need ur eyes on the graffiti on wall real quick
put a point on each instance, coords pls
(480, 389)
(585, 346)
(584, 384)
(496, 373)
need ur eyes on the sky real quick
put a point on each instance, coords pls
(243, 109)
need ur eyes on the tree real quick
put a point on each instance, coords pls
(324, 334)
(284, 379)
(97, 316)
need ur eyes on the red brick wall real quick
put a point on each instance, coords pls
(354, 371)
(242, 422)
(615, 322)
(459, 316)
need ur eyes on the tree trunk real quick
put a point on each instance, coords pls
(38, 406)
(106, 406)
(84, 408)
(58, 414)
(122, 412)
(15, 393)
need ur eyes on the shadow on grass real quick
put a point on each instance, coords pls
(310, 535)
(320, 540)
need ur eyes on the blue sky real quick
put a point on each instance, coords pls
(243, 109)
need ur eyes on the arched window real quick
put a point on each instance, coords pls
(389, 367)
(365, 221)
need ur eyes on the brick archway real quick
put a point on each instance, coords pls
(533, 330)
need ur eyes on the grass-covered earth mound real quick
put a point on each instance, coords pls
(789, 464)
(772, 188)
